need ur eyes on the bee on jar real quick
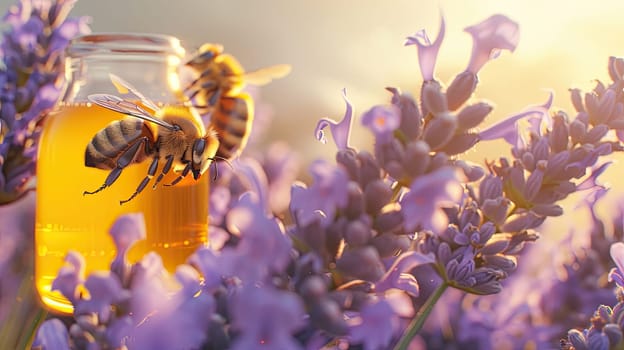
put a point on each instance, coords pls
(162, 135)
(217, 91)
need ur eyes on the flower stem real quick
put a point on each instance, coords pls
(419, 320)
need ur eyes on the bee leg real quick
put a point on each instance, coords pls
(151, 171)
(165, 170)
(123, 161)
(112, 176)
(185, 172)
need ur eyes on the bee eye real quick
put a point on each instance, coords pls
(198, 149)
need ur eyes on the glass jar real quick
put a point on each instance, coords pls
(175, 216)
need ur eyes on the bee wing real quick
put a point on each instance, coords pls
(265, 75)
(120, 105)
(125, 87)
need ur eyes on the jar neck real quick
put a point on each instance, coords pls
(152, 67)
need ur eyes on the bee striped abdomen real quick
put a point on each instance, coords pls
(109, 143)
(232, 121)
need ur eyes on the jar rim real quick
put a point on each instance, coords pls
(125, 43)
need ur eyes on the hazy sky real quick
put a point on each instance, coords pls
(357, 44)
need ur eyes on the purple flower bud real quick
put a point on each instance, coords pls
(416, 158)
(376, 195)
(427, 51)
(471, 116)
(613, 332)
(340, 130)
(577, 100)
(390, 244)
(473, 172)
(490, 188)
(490, 36)
(433, 99)
(496, 245)
(440, 130)
(616, 68)
(533, 184)
(521, 222)
(502, 262)
(357, 233)
(577, 339)
(369, 169)
(355, 203)
(600, 108)
(327, 315)
(558, 138)
(596, 133)
(597, 341)
(496, 209)
(411, 119)
(361, 263)
(461, 89)
(313, 288)
(556, 165)
(547, 210)
(460, 143)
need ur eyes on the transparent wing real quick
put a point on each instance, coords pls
(125, 87)
(265, 75)
(120, 105)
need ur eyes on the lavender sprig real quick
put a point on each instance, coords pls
(31, 80)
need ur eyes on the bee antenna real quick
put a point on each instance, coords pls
(213, 159)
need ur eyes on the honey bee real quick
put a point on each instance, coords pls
(164, 134)
(217, 91)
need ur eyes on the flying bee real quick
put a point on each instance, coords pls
(217, 91)
(162, 134)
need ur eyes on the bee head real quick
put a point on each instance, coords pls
(206, 53)
(204, 150)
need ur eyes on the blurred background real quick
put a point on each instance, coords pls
(358, 44)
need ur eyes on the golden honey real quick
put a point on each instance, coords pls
(175, 216)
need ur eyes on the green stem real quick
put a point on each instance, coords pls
(419, 320)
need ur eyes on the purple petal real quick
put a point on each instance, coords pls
(617, 254)
(52, 334)
(489, 37)
(340, 130)
(403, 264)
(377, 326)
(507, 129)
(427, 51)
(382, 121)
(421, 206)
(127, 230)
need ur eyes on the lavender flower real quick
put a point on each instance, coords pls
(340, 130)
(30, 83)
(489, 37)
(427, 51)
